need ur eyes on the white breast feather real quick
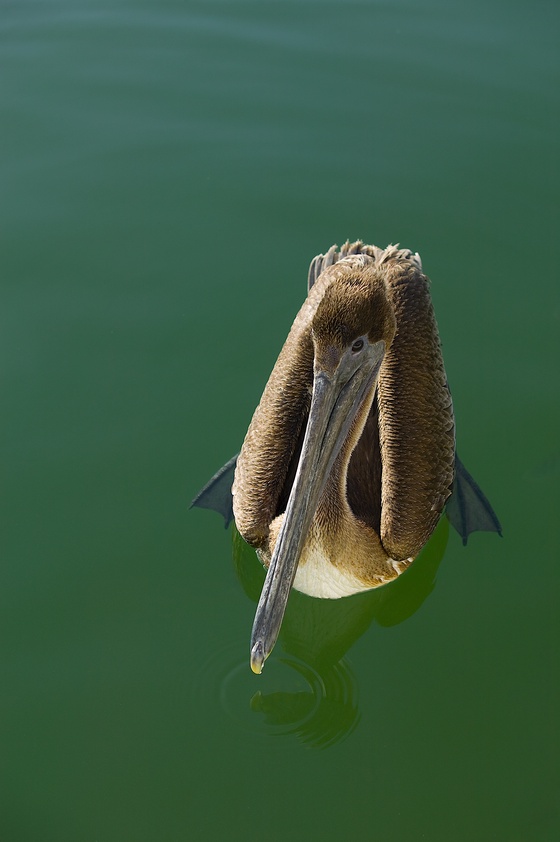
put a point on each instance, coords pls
(317, 576)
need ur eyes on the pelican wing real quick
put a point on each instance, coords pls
(416, 425)
(266, 460)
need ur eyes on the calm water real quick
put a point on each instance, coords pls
(169, 169)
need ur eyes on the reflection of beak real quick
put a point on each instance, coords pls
(335, 403)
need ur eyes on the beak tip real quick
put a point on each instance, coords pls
(257, 658)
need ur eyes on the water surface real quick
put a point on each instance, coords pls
(169, 169)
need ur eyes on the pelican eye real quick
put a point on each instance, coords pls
(357, 346)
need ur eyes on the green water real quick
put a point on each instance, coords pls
(169, 169)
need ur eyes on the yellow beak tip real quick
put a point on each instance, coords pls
(257, 658)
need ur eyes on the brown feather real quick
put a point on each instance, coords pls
(398, 459)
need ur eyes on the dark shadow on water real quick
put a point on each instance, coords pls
(317, 634)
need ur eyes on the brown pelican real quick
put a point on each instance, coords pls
(350, 456)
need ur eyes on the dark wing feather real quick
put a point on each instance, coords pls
(468, 508)
(216, 494)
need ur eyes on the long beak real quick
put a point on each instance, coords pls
(334, 404)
